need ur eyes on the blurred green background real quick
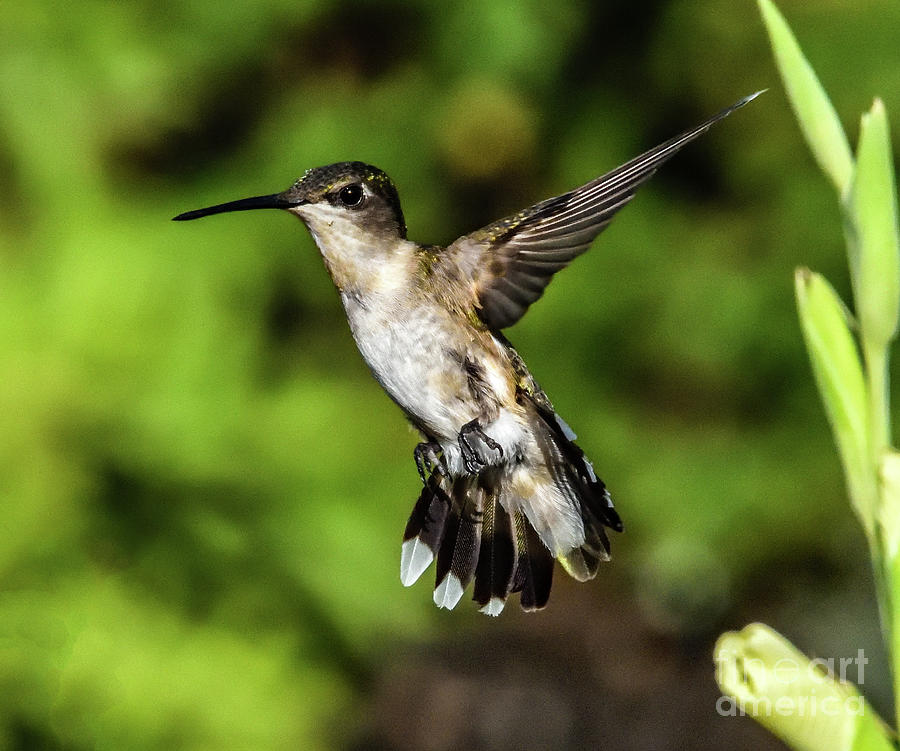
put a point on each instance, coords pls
(203, 490)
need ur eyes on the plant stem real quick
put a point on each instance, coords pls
(876, 357)
(879, 400)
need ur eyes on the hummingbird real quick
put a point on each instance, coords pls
(505, 488)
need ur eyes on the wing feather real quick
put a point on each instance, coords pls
(511, 261)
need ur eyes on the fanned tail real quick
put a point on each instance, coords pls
(477, 527)
(464, 526)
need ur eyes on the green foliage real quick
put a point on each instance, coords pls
(855, 393)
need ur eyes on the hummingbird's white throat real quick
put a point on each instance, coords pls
(359, 263)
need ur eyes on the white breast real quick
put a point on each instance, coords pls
(408, 353)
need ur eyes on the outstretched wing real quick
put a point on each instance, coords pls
(512, 260)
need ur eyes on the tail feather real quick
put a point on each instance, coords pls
(457, 558)
(424, 531)
(581, 563)
(593, 496)
(534, 566)
(573, 474)
(497, 557)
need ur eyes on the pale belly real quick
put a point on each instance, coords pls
(418, 358)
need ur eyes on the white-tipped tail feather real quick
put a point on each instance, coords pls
(415, 557)
(448, 592)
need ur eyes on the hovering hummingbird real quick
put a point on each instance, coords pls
(505, 488)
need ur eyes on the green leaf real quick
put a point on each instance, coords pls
(871, 208)
(839, 376)
(818, 120)
(794, 697)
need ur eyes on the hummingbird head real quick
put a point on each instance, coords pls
(347, 198)
(353, 213)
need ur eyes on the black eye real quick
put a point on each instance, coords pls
(351, 195)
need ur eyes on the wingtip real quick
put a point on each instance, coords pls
(751, 97)
(703, 127)
(746, 100)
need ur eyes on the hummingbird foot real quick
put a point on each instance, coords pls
(471, 458)
(429, 458)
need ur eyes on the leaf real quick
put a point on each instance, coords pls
(815, 113)
(839, 376)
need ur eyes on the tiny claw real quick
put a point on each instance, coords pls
(429, 457)
(471, 460)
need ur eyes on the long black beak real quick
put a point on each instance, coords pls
(275, 201)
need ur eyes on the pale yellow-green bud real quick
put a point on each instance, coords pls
(810, 704)
(871, 210)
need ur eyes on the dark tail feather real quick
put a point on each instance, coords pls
(425, 530)
(497, 558)
(458, 556)
(534, 566)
